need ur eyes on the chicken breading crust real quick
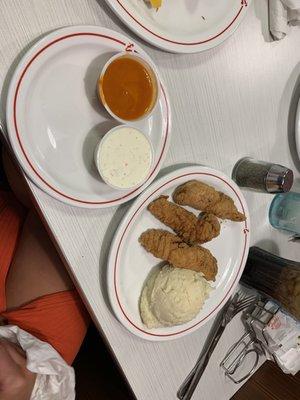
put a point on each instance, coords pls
(169, 247)
(190, 228)
(203, 197)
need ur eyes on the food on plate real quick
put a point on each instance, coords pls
(203, 197)
(124, 157)
(172, 296)
(155, 3)
(128, 87)
(169, 247)
(190, 228)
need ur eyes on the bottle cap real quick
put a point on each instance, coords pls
(279, 179)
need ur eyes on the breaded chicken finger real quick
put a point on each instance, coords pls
(191, 229)
(171, 248)
(203, 197)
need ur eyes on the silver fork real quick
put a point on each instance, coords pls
(235, 304)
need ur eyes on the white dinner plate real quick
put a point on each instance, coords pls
(54, 118)
(129, 264)
(297, 129)
(182, 26)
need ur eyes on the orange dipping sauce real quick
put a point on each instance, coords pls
(128, 88)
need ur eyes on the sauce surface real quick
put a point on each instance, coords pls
(127, 88)
(125, 158)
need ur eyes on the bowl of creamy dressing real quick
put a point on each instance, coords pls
(124, 157)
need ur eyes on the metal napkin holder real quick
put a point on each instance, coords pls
(251, 343)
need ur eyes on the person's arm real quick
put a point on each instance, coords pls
(16, 381)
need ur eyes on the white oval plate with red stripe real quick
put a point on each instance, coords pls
(297, 129)
(129, 264)
(55, 120)
(182, 26)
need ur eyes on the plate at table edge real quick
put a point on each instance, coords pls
(45, 42)
(138, 26)
(122, 304)
(297, 129)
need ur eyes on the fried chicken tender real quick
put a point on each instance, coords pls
(171, 248)
(205, 198)
(191, 229)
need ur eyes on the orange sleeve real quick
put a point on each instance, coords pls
(59, 319)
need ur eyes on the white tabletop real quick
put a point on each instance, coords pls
(235, 100)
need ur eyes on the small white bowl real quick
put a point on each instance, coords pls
(98, 155)
(151, 70)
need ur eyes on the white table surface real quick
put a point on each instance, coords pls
(236, 100)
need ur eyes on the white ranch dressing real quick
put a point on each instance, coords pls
(125, 157)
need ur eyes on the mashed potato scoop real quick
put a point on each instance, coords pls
(172, 296)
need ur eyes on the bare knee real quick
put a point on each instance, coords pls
(36, 269)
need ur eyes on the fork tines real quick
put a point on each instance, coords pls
(246, 302)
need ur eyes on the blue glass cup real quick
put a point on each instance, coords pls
(284, 212)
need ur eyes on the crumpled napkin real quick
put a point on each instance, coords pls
(55, 378)
(282, 333)
(282, 14)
